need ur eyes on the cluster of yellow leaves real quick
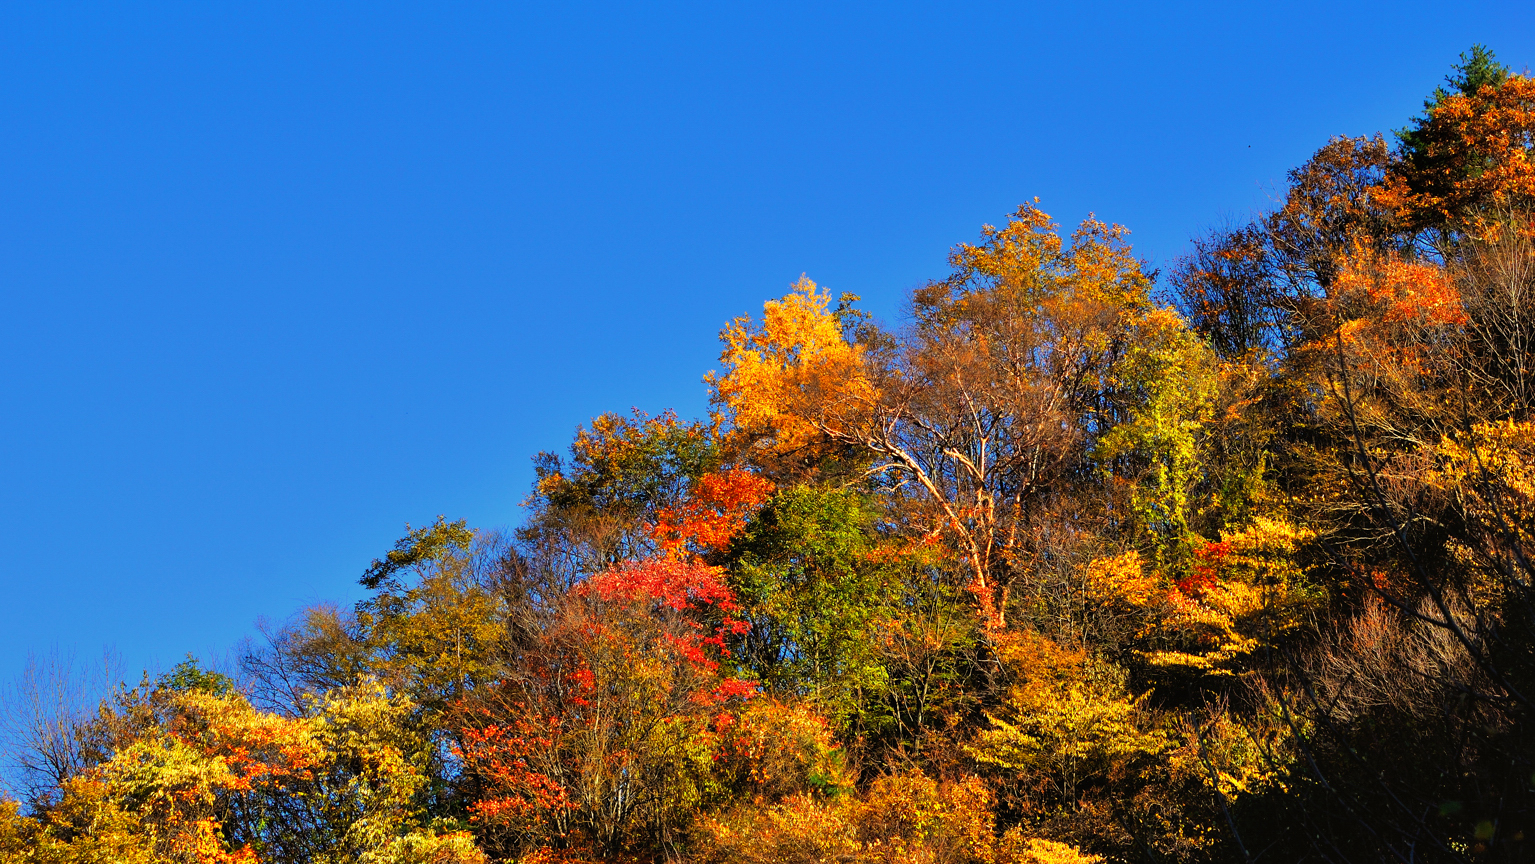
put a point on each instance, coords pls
(1259, 593)
(1255, 591)
(902, 819)
(1492, 471)
(1069, 723)
(1259, 590)
(159, 799)
(1026, 265)
(90, 826)
(1236, 757)
(1264, 552)
(1122, 580)
(793, 374)
(1175, 377)
(366, 728)
(429, 847)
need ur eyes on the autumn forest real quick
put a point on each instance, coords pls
(1077, 562)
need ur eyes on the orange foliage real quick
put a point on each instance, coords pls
(253, 747)
(501, 754)
(772, 748)
(1395, 317)
(1475, 163)
(716, 510)
(1403, 293)
(793, 376)
(905, 818)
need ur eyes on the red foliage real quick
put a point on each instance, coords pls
(676, 585)
(728, 689)
(637, 649)
(1207, 563)
(664, 584)
(500, 754)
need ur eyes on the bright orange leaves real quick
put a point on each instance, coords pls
(1475, 165)
(793, 374)
(252, 746)
(1402, 293)
(717, 510)
(1394, 318)
(501, 755)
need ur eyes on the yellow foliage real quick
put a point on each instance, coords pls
(1492, 472)
(901, 819)
(1040, 658)
(773, 748)
(793, 374)
(1235, 756)
(161, 796)
(89, 826)
(1252, 590)
(16, 831)
(799, 830)
(1212, 630)
(1070, 722)
(914, 818)
(365, 728)
(427, 847)
(1122, 579)
(1228, 601)
(1034, 850)
(172, 779)
(1263, 553)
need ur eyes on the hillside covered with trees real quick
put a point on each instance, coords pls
(1079, 563)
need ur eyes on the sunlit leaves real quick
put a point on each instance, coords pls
(792, 376)
(1469, 164)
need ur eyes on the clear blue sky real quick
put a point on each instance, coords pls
(278, 279)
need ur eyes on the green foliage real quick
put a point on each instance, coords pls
(417, 547)
(1173, 379)
(1477, 68)
(816, 594)
(189, 676)
(624, 464)
(436, 638)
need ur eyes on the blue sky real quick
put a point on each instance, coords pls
(278, 278)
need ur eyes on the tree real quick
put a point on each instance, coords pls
(197, 774)
(593, 740)
(817, 587)
(594, 509)
(41, 722)
(1465, 165)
